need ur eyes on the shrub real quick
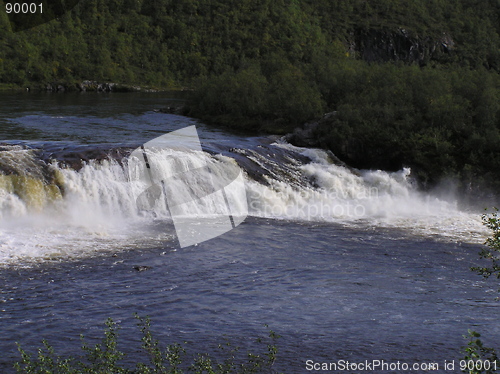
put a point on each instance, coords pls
(492, 249)
(104, 357)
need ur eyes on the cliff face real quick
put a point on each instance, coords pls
(385, 45)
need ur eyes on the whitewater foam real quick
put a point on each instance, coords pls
(94, 209)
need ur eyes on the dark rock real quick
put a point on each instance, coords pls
(96, 86)
(304, 136)
(77, 156)
(142, 268)
(173, 107)
(168, 109)
(330, 115)
(307, 136)
(400, 45)
(93, 86)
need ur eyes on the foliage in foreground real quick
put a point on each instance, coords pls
(480, 359)
(475, 351)
(105, 357)
(492, 249)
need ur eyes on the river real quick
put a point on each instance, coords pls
(344, 264)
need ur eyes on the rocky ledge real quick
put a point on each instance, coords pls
(94, 86)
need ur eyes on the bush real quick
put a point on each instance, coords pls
(492, 249)
(476, 354)
(105, 357)
(248, 99)
(478, 358)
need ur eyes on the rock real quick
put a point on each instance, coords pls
(94, 86)
(399, 45)
(304, 136)
(142, 268)
(330, 115)
(173, 109)
(173, 106)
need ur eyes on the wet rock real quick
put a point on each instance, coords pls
(174, 106)
(76, 157)
(304, 136)
(142, 268)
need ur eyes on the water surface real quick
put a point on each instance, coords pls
(388, 281)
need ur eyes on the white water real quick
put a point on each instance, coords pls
(97, 211)
(367, 197)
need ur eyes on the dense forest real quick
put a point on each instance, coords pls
(405, 82)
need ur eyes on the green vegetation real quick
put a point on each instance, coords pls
(413, 83)
(479, 359)
(476, 352)
(168, 42)
(492, 249)
(441, 123)
(105, 357)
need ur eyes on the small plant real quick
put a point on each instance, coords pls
(158, 359)
(47, 362)
(492, 249)
(104, 357)
(478, 358)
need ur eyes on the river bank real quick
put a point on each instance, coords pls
(83, 86)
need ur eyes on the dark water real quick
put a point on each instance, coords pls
(332, 291)
(90, 118)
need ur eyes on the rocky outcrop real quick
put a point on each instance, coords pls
(307, 135)
(304, 136)
(75, 157)
(378, 45)
(173, 107)
(94, 86)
